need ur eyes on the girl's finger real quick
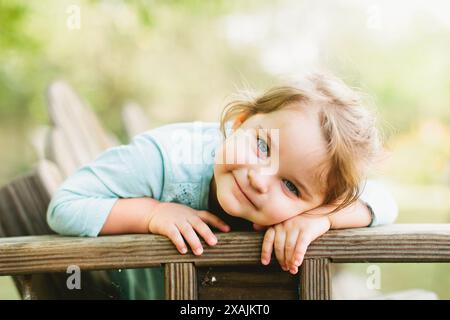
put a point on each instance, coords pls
(203, 230)
(280, 239)
(191, 237)
(289, 247)
(174, 235)
(300, 251)
(267, 246)
(214, 220)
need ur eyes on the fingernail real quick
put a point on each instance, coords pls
(264, 261)
(213, 241)
(284, 268)
(199, 251)
(183, 250)
(294, 270)
(297, 263)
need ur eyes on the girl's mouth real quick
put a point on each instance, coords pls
(242, 191)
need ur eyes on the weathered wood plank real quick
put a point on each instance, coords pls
(26, 287)
(315, 279)
(23, 204)
(48, 174)
(395, 243)
(61, 153)
(246, 283)
(80, 126)
(180, 281)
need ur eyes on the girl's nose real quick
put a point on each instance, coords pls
(258, 181)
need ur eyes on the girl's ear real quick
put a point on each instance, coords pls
(239, 120)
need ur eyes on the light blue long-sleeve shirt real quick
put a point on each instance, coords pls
(172, 163)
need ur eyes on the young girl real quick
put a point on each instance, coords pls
(292, 160)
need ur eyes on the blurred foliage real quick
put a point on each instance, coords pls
(17, 48)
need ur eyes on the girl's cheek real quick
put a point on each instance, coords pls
(222, 164)
(236, 153)
(281, 208)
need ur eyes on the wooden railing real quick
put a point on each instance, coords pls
(395, 243)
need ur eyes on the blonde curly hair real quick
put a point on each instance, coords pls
(349, 127)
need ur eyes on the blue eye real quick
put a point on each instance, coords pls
(291, 187)
(262, 146)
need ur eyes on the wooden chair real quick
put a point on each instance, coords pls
(23, 206)
(75, 137)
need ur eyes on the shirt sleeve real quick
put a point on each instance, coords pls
(380, 201)
(82, 203)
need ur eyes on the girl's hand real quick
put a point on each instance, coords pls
(177, 221)
(292, 237)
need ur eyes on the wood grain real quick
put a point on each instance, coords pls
(394, 243)
(26, 286)
(180, 281)
(315, 279)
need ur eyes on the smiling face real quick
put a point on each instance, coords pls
(246, 189)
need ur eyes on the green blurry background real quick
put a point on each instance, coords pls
(182, 61)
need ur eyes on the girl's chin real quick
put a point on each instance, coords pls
(231, 207)
(239, 213)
